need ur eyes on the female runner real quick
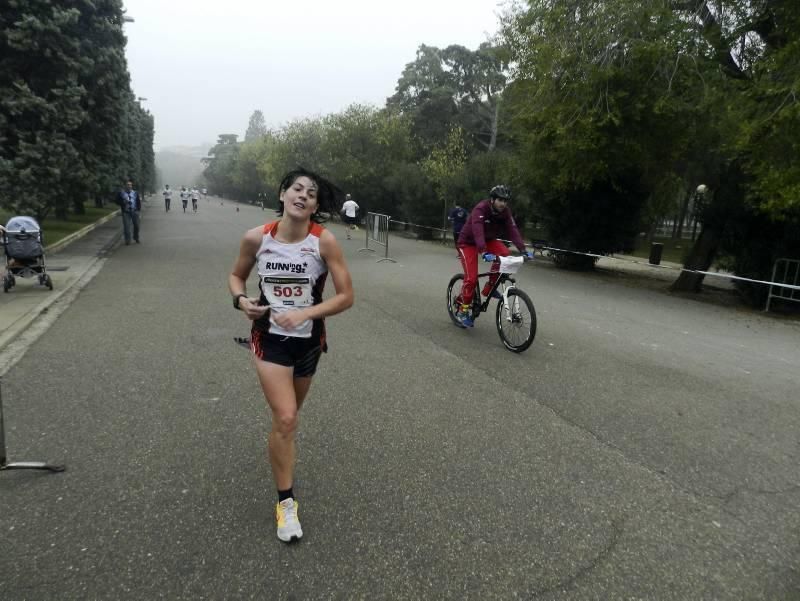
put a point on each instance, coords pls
(294, 256)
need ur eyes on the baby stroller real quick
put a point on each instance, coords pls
(24, 247)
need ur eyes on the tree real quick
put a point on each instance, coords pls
(425, 94)
(362, 146)
(221, 164)
(67, 120)
(102, 44)
(246, 176)
(755, 46)
(479, 78)
(361, 149)
(452, 87)
(444, 165)
(256, 128)
(598, 113)
(40, 104)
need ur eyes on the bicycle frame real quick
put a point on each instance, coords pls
(501, 280)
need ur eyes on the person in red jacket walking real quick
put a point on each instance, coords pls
(488, 223)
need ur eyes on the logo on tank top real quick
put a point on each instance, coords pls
(290, 267)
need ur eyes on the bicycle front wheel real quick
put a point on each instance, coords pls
(516, 321)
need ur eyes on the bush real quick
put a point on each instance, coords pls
(601, 219)
(750, 246)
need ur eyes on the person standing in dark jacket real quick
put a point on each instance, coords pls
(457, 216)
(131, 205)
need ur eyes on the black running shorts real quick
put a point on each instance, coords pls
(300, 353)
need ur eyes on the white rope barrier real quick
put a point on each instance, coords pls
(681, 269)
(645, 263)
(437, 229)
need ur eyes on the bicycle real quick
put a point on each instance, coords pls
(515, 317)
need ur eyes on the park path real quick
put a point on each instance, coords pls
(644, 447)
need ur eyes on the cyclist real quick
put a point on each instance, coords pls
(184, 197)
(167, 196)
(488, 222)
(195, 198)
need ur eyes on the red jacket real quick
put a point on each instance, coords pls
(484, 224)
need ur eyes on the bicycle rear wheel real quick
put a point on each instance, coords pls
(453, 294)
(516, 323)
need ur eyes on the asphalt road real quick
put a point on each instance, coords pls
(645, 447)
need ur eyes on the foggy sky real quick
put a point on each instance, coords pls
(204, 66)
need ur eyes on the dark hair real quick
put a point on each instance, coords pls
(329, 196)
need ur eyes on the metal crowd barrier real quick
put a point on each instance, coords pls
(377, 228)
(790, 276)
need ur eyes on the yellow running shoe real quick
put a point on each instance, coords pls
(288, 524)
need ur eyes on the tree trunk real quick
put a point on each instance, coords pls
(700, 258)
(682, 217)
(651, 231)
(495, 120)
(61, 211)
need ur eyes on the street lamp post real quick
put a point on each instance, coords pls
(699, 205)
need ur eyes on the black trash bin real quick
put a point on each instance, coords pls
(656, 248)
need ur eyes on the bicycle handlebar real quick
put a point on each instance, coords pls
(525, 258)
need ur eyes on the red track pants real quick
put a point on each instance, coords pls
(468, 255)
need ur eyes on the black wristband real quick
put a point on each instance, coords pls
(236, 300)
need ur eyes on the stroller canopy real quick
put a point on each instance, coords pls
(18, 224)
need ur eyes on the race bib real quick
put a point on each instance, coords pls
(287, 291)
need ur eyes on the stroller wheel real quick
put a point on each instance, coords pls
(47, 281)
(7, 283)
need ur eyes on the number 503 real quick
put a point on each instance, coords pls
(287, 291)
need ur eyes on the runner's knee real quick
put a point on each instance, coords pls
(285, 422)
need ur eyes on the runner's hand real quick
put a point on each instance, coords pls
(291, 319)
(252, 309)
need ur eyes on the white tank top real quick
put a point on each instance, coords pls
(291, 276)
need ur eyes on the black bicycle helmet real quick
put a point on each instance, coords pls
(500, 191)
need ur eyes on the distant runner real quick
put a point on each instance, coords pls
(167, 197)
(349, 211)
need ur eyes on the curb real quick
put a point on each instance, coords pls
(19, 325)
(16, 329)
(57, 246)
